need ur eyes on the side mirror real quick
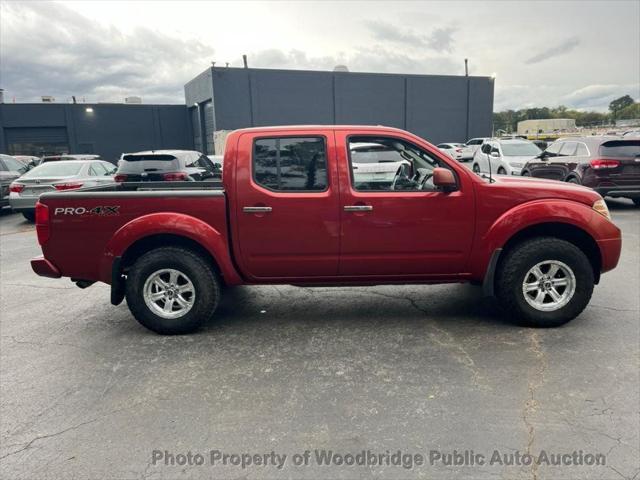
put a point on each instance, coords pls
(444, 179)
(495, 154)
(543, 155)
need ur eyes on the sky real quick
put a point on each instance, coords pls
(581, 54)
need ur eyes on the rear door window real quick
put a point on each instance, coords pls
(290, 163)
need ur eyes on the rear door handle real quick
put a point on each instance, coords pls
(358, 208)
(256, 209)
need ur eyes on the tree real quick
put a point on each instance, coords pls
(619, 103)
(630, 111)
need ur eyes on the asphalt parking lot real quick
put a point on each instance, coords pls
(86, 392)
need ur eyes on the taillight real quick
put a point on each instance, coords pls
(42, 223)
(16, 187)
(67, 186)
(175, 177)
(120, 178)
(599, 164)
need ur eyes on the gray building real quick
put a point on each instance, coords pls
(436, 107)
(103, 128)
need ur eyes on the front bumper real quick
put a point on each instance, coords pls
(20, 204)
(44, 268)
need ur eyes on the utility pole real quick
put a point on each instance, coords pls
(466, 74)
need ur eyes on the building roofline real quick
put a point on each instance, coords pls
(284, 70)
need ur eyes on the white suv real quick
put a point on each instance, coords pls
(504, 157)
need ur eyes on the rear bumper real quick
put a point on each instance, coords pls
(627, 192)
(20, 204)
(45, 268)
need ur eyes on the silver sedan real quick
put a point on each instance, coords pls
(57, 176)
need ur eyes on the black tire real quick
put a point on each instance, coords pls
(526, 173)
(512, 271)
(573, 180)
(29, 215)
(476, 168)
(205, 284)
(636, 201)
(502, 171)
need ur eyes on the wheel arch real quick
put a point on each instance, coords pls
(169, 229)
(567, 220)
(563, 231)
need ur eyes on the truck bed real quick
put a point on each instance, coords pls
(99, 222)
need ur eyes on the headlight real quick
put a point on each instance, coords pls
(600, 206)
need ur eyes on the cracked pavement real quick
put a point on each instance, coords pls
(85, 392)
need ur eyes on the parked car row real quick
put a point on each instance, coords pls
(25, 178)
(608, 164)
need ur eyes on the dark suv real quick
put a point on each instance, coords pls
(609, 165)
(165, 165)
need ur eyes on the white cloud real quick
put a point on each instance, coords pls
(107, 50)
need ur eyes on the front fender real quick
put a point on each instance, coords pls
(527, 215)
(215, 242)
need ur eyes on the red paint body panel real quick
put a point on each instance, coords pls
(44, 268)
(408, 237)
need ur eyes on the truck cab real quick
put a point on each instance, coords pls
(295, 208)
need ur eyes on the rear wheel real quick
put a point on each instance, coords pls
(526, 173)
(476, 168)
(29, 215)
(502, 171)
(544, 282)
(172, 290)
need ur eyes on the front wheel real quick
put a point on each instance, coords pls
(544, 282)
(573, 180)
(476, 168)
(29, 215)
(502, 171)
(172, 290)
(636, 201)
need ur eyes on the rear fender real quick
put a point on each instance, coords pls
(205, 235)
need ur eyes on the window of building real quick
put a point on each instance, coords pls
(291, 163)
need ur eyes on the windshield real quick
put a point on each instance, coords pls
(55, 169)
(519, 149)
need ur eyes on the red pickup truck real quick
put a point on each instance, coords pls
(297, 206)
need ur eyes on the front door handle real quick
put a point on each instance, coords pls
(358, 208)
(256, 209)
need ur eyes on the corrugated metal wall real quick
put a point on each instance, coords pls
(432, 106)
(108, 130)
